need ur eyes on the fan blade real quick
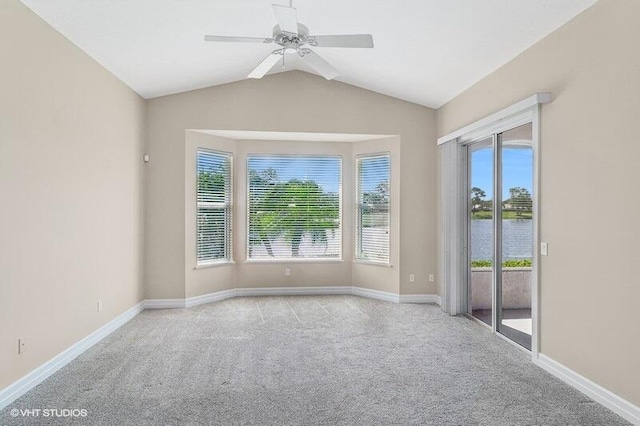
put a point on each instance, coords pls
(287, 18)
(344, 40)
(317, 63)
(266, 64)
(237, 39)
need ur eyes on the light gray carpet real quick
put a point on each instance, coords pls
(308, 360)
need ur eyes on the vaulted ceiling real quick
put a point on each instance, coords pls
(426, 51)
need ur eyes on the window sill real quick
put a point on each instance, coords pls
(374, 263)
(268, 261)
(214, 264)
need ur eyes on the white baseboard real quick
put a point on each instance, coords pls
(292, 291)
(613, 402)
(37, 376)
(165, 303)
(208, 298)
(375, 294)
(420, 298)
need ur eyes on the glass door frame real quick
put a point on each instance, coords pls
(477, 144)
(492, 132)
(452, 202)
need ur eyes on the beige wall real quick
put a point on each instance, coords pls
(590, 150)
(292, 102)
(71, 138)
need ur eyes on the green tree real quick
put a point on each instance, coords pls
(211, 185)
(520, 200)
(263, 220)
(379, 196)
(375, 206)
(291, 210)
(477, 198)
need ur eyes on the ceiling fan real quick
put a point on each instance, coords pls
(293, 38)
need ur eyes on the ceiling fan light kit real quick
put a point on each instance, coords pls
(292, 37)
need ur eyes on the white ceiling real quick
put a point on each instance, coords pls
(426, 51)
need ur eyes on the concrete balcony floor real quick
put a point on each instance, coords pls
(515, 319)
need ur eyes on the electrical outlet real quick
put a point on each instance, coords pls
(99, 305)
(21, 346)
(287, 271)
(432, 278)
(412, 278)
(544, 249)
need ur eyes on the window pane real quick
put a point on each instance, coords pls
(214, 198)
(212, 234)
(372, 227)
(294, 207)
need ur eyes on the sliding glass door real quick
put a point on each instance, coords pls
(516, 254)
(500, 232)
(481, 230)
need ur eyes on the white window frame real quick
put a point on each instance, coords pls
(356, 220)
(226, 206)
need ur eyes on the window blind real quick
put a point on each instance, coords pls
(372, 211)
(294, 207)
(214, 198)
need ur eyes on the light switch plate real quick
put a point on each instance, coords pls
(544, 249)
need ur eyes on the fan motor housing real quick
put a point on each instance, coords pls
(291, 41)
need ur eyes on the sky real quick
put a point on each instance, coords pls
(373, 171)
(325, 171)
(517, 170)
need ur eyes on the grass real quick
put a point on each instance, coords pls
(505, 215)
(512, 263)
